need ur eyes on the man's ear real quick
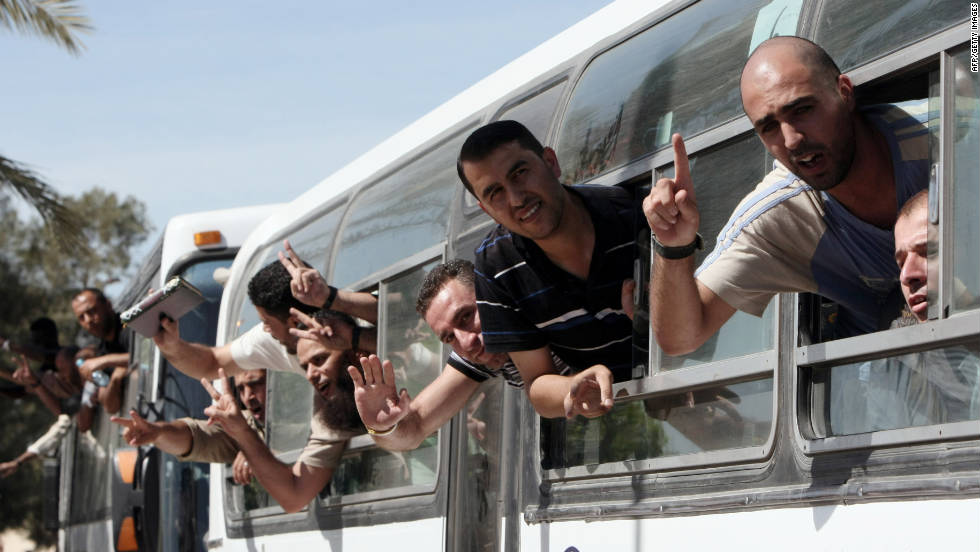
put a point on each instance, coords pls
(846, 90)
(480, 203)
(551, 159)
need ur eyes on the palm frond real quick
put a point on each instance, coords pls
(45, 200)
(59, 20)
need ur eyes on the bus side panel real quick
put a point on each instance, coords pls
(415, 536)
(906, 525)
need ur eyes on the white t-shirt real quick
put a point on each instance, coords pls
(257, 350)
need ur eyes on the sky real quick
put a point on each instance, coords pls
(192, 106)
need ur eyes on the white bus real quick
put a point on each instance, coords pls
(112, 496)
(739, 445)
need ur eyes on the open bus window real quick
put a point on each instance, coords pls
(898, 379)
(821, 319)
(722, 176)
(416, 354)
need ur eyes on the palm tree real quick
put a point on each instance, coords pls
(60, 21)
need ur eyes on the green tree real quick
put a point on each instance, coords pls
(108, 225)
(37, 278)
(59, 21)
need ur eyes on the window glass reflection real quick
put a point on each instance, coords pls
(290, 406)
(966, 184)
(716, 418)
(910, 390)
(856, 32)
(681, 75)
(403, 214)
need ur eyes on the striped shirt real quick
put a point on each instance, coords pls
(526, 302)
(787, 237)
(480, 372)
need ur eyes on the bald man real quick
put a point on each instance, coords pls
(820, 222)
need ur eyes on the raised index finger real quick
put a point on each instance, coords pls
(682, 167)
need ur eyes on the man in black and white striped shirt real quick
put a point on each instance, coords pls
(552, 276)
(447, 302)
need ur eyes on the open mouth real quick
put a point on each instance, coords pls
(808, 161)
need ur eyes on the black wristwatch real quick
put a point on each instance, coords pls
(681, 252)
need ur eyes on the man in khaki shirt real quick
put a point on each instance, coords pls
(192, 440)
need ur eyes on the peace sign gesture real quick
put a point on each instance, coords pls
(671, 208)
(308, 286)
(138, 431)
(224, 411)
(334, 334)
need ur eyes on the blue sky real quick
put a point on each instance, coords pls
(204, 105)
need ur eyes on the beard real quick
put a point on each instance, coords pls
(338, 410)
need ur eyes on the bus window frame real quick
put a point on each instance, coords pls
(939, 330)
(751, 367)
(380, 281)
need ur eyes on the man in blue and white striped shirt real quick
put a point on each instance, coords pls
(820, 222)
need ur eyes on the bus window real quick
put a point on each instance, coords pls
(854, 33)
(722, 177)
(314, 241)
(632, 98)
(924, 388)
(416, 354)
(703, 420)
(402, 214)
(965, 294)
(535, 113)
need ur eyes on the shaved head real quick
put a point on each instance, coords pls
(822, 68)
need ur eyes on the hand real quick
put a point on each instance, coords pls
(671, 208)
(23, 374)
(476, 426)
(225, 411)
(168, 336)
(590, 394)
(626, 296)
(89, 367)
(8, 468)
(308, 286)
(379, 405)
(241, 471)
(334, 335)
(137, 431)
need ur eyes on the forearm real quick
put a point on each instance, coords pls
(83, 420)
(47, 399)
(407, 436)
(676, 311)
(25, 456)
(111, 396)
(357, 303)
(368, 341)
(174, 438)
(193, 359)
(114, 360)
(547, 394)
(277, 478)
